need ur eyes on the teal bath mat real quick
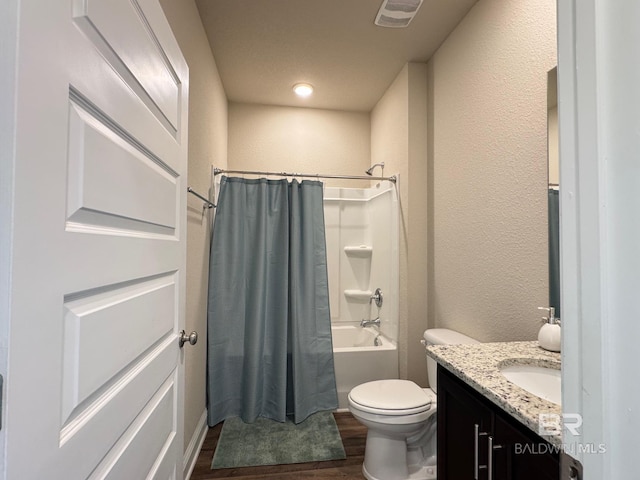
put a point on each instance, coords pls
(267, 442)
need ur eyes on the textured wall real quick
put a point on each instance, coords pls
(398, 138)
(488, 105)
(299, 140)
(207, 145)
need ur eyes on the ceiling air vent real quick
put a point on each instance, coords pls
(397, 13)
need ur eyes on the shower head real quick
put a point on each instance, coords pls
(370, 170)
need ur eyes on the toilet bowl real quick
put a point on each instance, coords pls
(399, 416)
(401, 420)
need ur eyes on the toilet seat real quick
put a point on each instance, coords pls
(390, 397)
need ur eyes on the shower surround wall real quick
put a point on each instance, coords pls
(362, 254)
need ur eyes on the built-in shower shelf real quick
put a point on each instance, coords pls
(358, 251)
(362, 296)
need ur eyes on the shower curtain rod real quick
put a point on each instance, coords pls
(392, 179)
(206, 201)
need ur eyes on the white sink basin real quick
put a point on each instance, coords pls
(543, 382)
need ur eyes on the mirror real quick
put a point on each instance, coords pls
(553, 166)
(552, 128)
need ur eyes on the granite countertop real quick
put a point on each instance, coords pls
(477, 365)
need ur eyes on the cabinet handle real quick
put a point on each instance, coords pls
(476, 441)
(490, 461)
(492, 447)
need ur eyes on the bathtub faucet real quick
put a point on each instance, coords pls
(368, 323)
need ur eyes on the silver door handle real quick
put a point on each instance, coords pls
(192, 338)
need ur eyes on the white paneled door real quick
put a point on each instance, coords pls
(95, 378)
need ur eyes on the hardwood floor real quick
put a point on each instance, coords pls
(353, 438)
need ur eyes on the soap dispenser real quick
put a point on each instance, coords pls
(549, 336)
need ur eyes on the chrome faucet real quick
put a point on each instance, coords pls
(368, 323)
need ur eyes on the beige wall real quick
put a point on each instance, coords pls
(488, 105)
(302, 140)
(398, 138)
(207, 145)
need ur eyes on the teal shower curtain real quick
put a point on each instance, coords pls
(269, 329)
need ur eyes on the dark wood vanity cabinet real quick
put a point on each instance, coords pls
(520, 454)
(463, 424)
(470, 427)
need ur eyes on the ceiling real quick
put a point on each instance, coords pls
(263, 47)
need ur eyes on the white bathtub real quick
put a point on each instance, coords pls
(357, 360)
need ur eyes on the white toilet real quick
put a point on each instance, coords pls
(401, 421)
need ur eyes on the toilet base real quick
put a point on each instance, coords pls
(390, 458)
(416, 473)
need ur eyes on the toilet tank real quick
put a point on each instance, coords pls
(441, 336)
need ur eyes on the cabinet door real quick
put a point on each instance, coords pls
(519, 454)
(464, 425)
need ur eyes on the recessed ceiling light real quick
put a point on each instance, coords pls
(303, 89)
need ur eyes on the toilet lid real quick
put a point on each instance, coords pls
(393, 397)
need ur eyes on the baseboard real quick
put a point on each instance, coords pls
(195, 445)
